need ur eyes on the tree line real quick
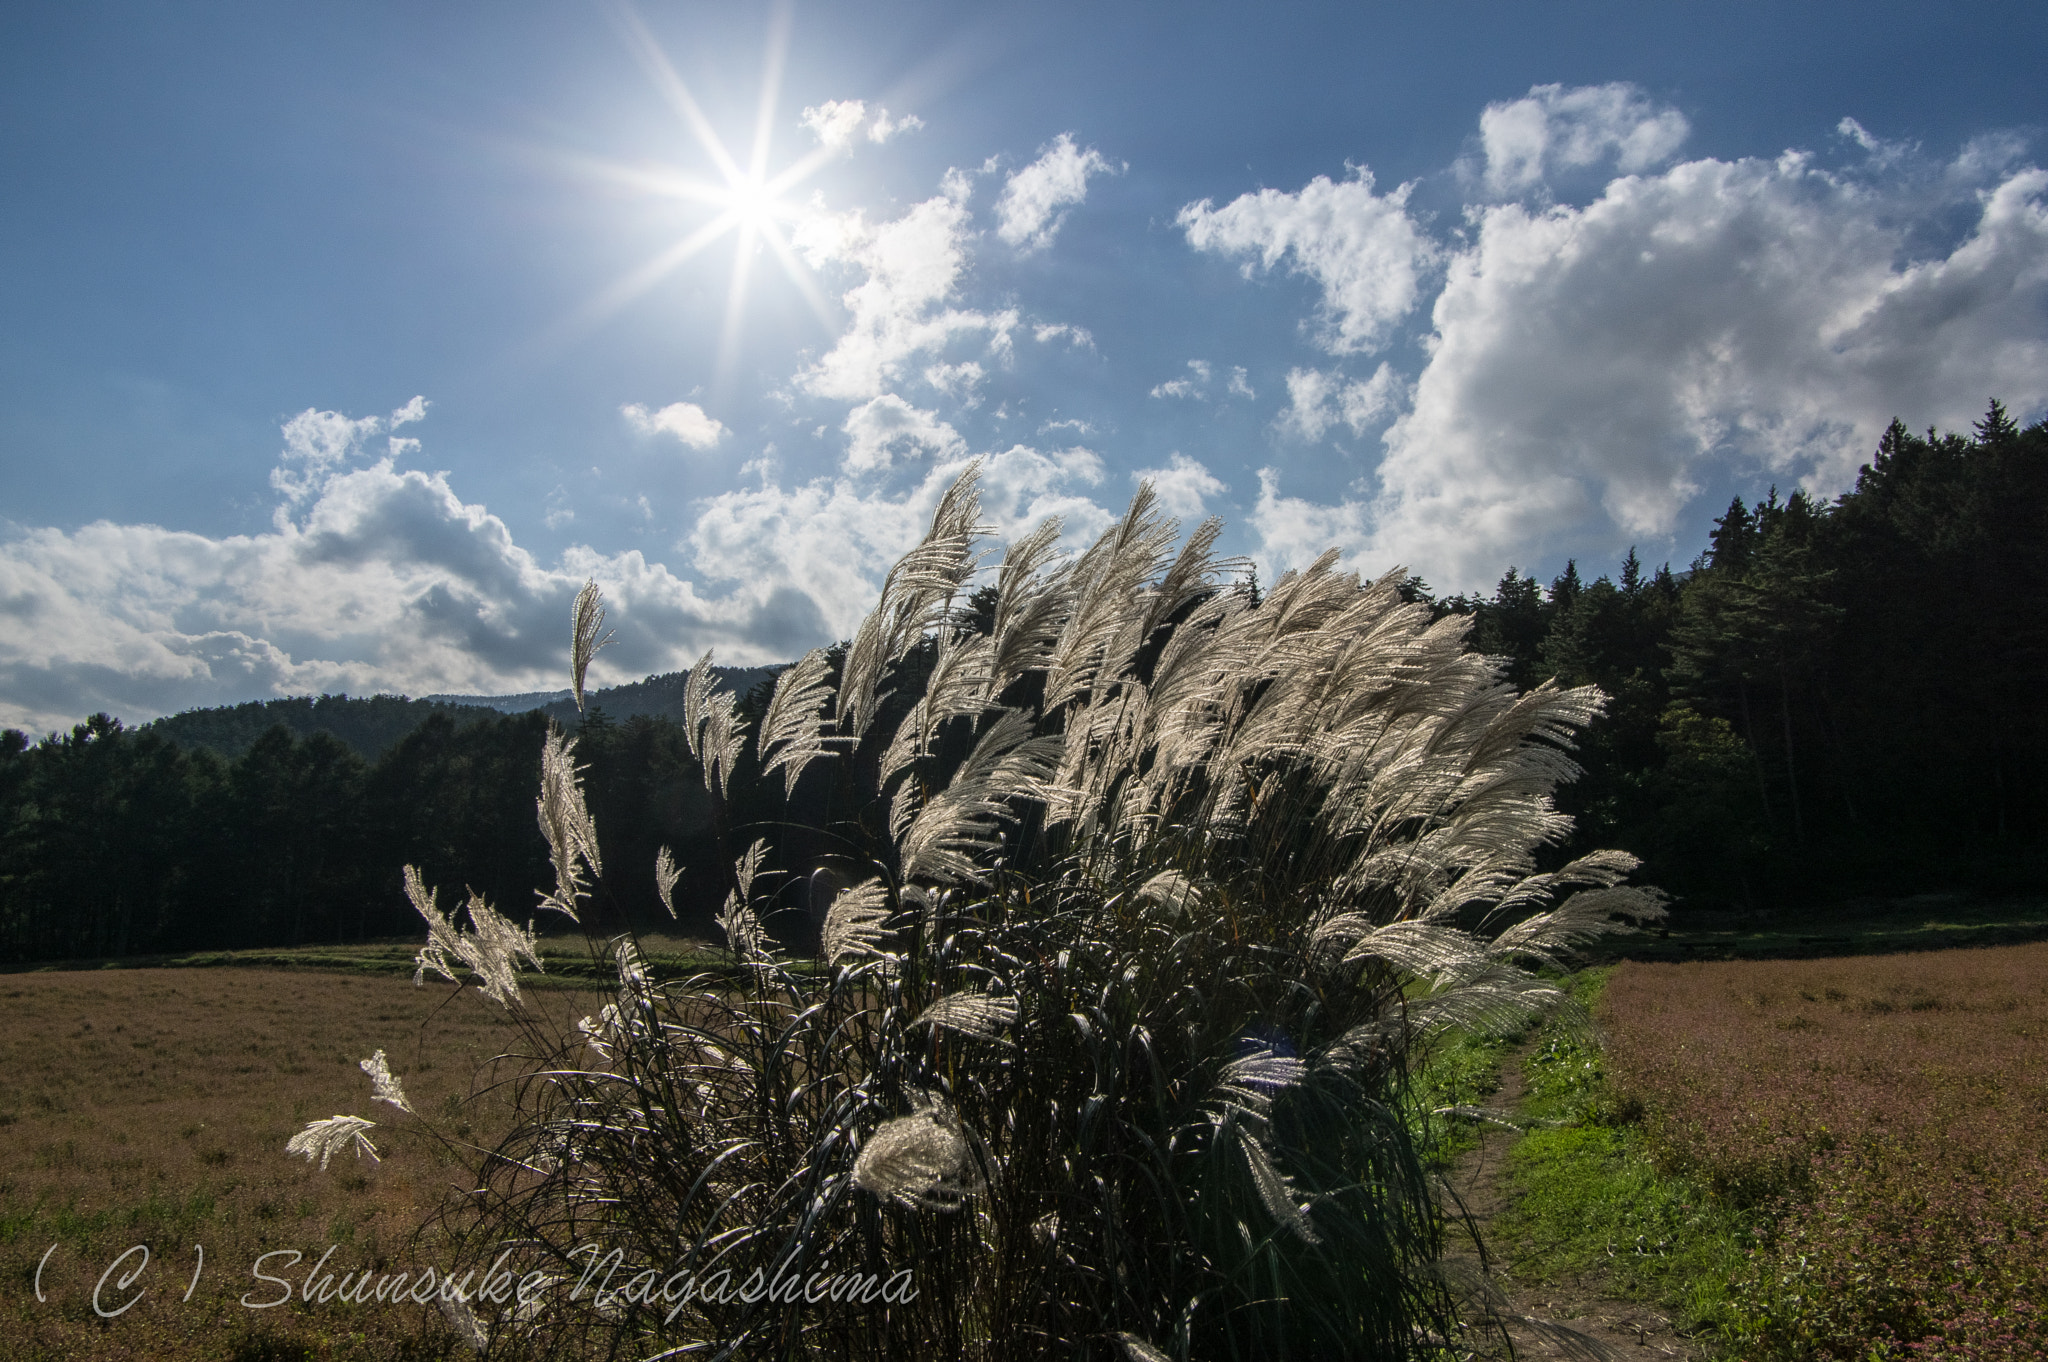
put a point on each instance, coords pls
(1834, 699)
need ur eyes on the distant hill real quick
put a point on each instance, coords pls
(657, 696)
(369, 725)
(373, 724)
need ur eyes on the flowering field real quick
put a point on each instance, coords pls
(1885, 1118)
(152, 1107)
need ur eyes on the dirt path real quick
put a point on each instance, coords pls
(1622, 1329)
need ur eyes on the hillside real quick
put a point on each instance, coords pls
(656, 696)
(371, 725)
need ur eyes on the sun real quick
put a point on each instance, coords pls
(747, 203)
(753, 203)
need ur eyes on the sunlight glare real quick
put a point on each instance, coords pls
(750, 203)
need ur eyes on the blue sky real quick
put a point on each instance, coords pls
(338, 344)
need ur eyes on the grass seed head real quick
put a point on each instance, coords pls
(325, 1139)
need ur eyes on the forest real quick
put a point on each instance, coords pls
(1835, 700)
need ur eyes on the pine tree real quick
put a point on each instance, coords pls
(1996, 427)
(1733, 539)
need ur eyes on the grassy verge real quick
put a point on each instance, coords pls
(1460, 1070)
(1590, 1206)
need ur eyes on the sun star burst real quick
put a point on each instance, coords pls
(748, 203)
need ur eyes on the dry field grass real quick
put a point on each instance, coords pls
(1887, 1116)
(152, 1107)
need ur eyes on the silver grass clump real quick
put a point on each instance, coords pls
(604, 1031)
(325, 1139)
(923, 1160)
(744, 934)
(491, 948)
(916, 595)
(792, 734)
(949, 837)
(385, 1086)
(712, 726)
(1156, 892)
(587, 634)
(565, 822)
(971, 1014)
(854, 925)
(1138, 1350)
(666, 873)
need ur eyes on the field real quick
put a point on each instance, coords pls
(1822, 1158)
(152, 1107)
(1879, 1119)
(567, 959)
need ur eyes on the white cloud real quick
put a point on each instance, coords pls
(840, 124)
(881, 129)
(1317, 400)
(1293, 532)
(828, 542)
(877, 430)
(1590, 365)
(1557, 128)
(1076, 336)
(1192, 386)
(912, 267)
(1183, 486)
(1364, 249)
(559, 512)
(386, 581)
(958, 185)
(1241, 383)
(962, 381)
(317, 443)
(686, 421)
(1034, 200)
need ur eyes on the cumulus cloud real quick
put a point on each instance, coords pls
(317, 443)
(1552, 127)
(686, 421)
(1036, 199)
(1317, 400)
(912, 266)
(383, 579)
(1364, 250)
(962, 381)
(1184, 486)
(387, 582)
(831, 540)
(1193, 385)
(1294, 532)
(1241, 383)
(841, 124)
(1592, 367)
(878, 430)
